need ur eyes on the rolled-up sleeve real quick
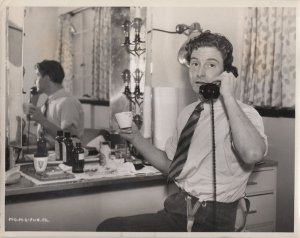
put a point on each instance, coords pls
(257, 121)
(171, 145)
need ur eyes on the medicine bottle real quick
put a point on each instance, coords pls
(75, 140)
(58, 145)
(42, 150)
(78, 159)
(67, 149)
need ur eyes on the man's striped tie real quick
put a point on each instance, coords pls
(184, 143)
(46, 105)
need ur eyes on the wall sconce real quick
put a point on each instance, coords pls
(126, 76)
(136, 97)
(135, 46)
(138, 74)
(126, 30)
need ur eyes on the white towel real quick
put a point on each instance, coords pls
(96, 142)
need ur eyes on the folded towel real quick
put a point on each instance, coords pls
(96, 142)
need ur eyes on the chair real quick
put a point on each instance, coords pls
(241, 215)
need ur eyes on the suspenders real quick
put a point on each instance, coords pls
(191, 211)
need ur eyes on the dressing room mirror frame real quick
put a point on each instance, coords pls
(120, 60)
(14, 70)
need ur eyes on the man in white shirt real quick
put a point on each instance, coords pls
(62, 111)
(240, 142)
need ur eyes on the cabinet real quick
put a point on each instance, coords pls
(261, 191)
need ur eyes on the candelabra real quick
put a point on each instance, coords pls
(133, 47)
(136, 97)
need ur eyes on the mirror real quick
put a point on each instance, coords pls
(93, 74)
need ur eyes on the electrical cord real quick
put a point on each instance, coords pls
(155, 29)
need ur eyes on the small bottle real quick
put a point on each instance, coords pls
(78, 159)
(75, 140)
(58, 145)
(105, 153)
(67, 149)
(42, 150)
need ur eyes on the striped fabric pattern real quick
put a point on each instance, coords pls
(184, 143)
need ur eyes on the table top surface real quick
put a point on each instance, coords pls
(25, 186)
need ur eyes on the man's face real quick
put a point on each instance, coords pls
(40, 82)
(205, 65)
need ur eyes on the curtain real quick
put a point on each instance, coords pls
(268, 70)
(64, 51)
(101, 70)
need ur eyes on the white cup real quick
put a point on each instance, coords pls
(124, 119)
(40, 164)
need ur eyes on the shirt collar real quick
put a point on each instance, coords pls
(59, 93)
(217, 103)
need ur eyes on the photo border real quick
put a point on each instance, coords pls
(152, 3)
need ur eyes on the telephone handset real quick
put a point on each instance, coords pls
(34, 95)
(33, 91)
(210, 90)
(33, 99)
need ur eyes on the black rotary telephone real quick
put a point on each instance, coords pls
(210, 90)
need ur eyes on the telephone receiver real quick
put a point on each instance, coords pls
(33, 91)
(210, 90)
(34, 95)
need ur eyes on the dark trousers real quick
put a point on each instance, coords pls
(173, 218)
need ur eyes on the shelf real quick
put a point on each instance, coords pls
(276, 112)
(94, 102)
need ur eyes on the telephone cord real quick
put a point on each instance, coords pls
(214, 164)
(28, 131)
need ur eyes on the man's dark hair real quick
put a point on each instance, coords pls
(221, 43)
(51, 68)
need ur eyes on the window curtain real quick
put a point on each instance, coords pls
(268, 70)
(64, 51)
(101, 70)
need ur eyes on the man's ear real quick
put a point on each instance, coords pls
(47, 77)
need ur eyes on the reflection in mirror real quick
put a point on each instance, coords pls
(87, 41)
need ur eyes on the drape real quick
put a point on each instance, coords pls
(64, 51)
(268, 69)
(101, 70)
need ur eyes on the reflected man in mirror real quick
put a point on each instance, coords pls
(61, 110)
